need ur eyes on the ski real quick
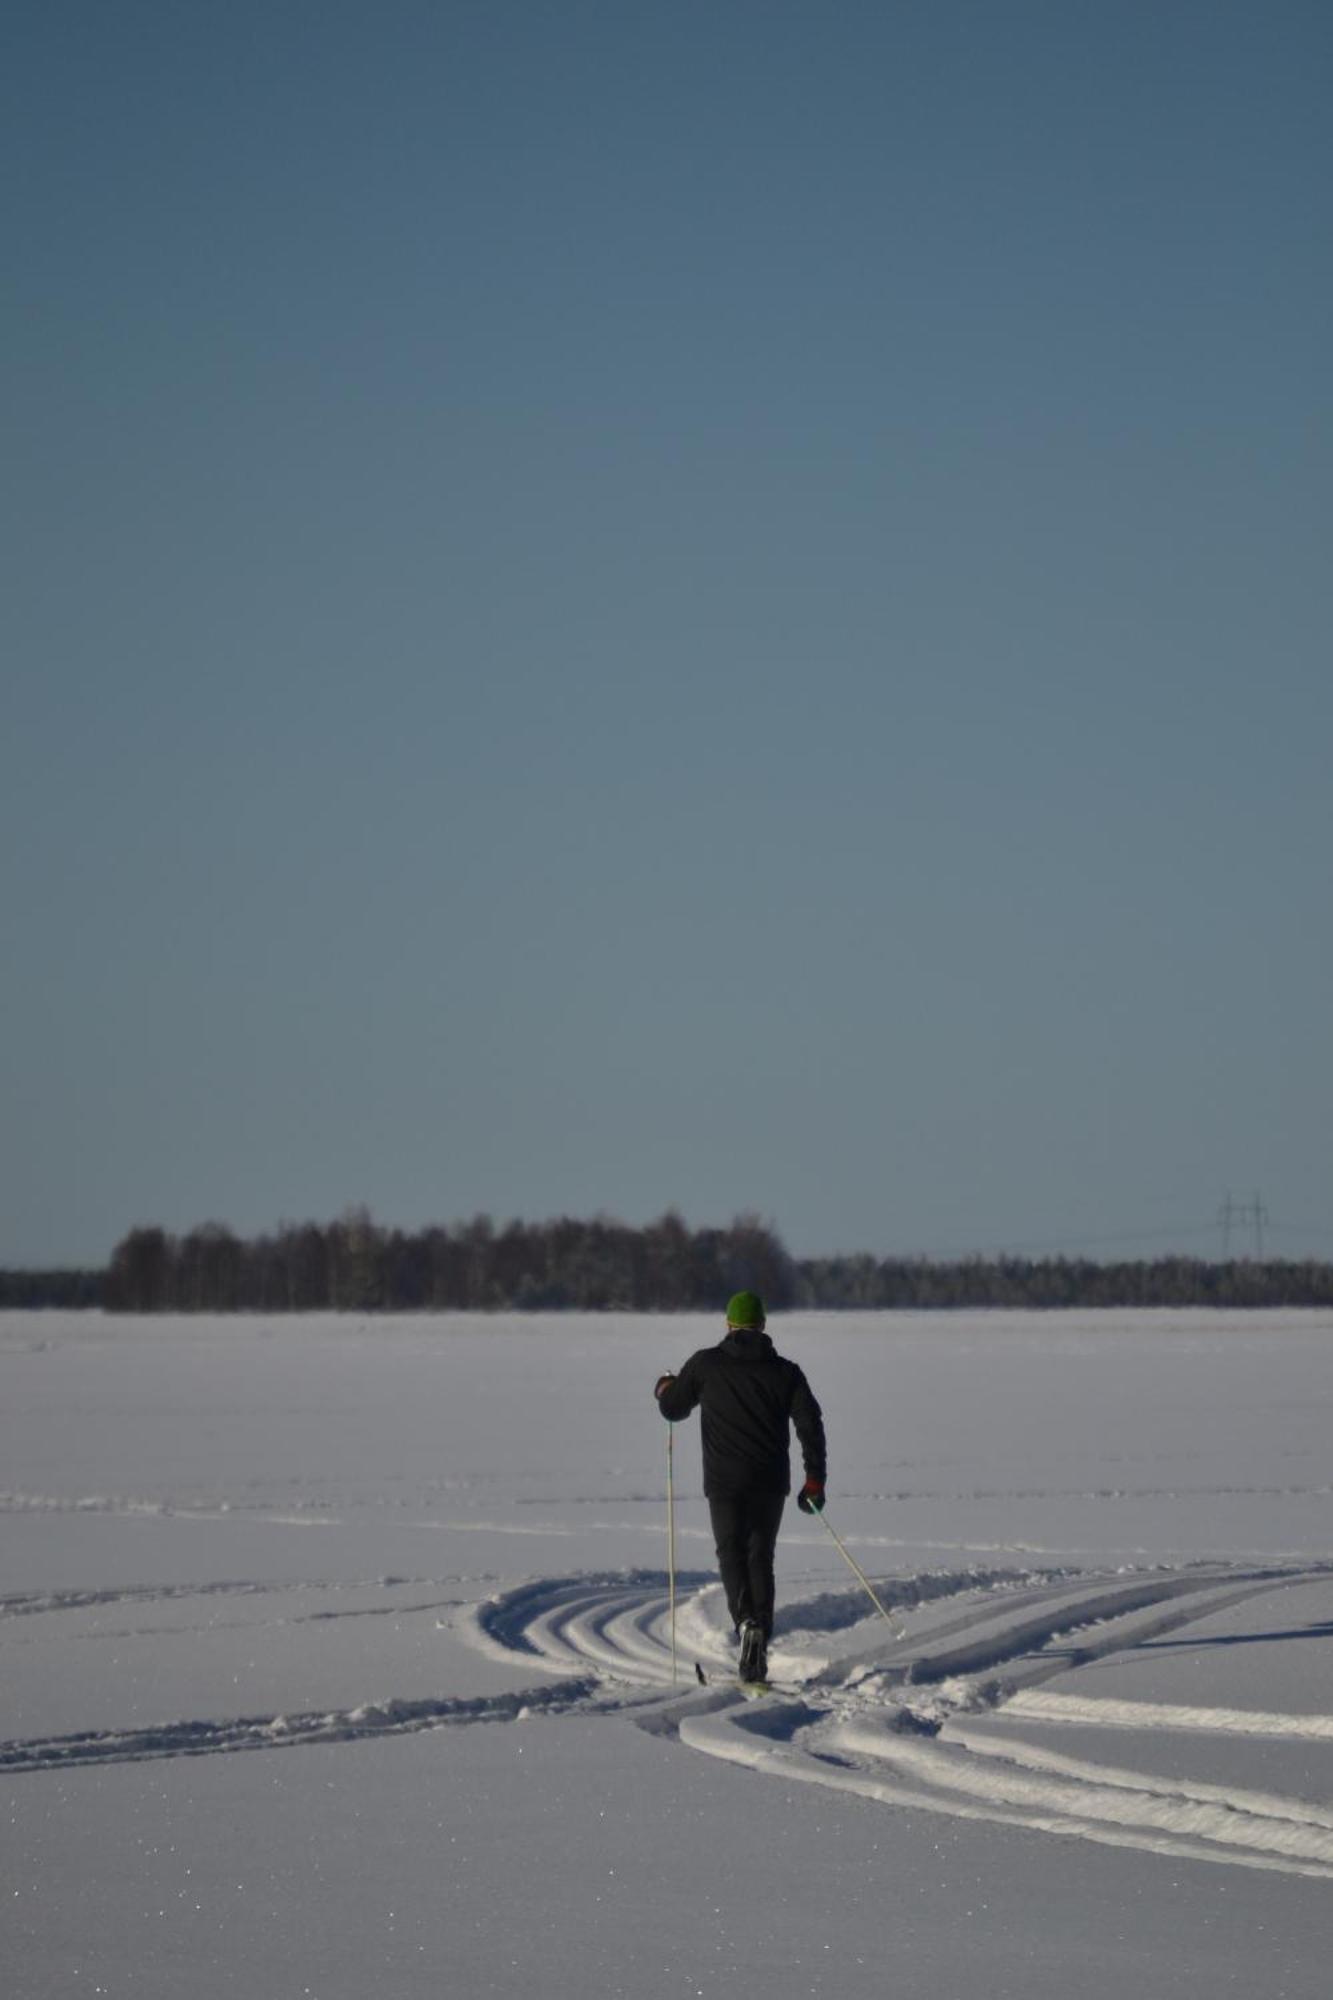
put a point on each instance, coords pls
(751, 1689)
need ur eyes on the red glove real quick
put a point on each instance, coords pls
(810, 1499)
(663, 1382)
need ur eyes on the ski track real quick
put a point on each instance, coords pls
(931, 1722)
(30, 1603)
(905, 1495)
(294, 1514)
(271, 1732)
(404, 1595)
(888, 1720)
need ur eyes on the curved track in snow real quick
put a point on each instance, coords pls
(909, 1722)
(977, 1709)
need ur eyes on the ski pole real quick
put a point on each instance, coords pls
(898, 1631)
(671, 1546)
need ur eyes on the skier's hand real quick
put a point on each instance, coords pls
(810, 1499)
(663, 1382)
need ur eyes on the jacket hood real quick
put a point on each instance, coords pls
(748, 1343)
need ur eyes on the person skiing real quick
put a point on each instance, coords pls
(749, 1395)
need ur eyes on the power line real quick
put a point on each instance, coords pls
(1013, 1248)
(1240, 1212)
(1232, 1215)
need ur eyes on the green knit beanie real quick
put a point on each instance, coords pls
(745, 1309)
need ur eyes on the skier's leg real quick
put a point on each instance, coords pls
(729, 1533)
(763, 1518)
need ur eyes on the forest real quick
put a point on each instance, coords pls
(356, 1264)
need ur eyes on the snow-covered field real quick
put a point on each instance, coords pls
(418, 1567)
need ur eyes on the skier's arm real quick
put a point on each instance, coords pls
(678, 1394)
(808, 1419)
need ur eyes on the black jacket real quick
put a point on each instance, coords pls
(748, 1395)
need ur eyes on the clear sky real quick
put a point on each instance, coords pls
(616, 605)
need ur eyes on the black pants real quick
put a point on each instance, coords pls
(745, 1528)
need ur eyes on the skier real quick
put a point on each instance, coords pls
(748, 1395)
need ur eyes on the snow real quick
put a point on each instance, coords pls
(414, 1569)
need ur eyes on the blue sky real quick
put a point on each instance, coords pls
(610, 606)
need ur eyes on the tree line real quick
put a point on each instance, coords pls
(356, 1264)
(1020, 1282)
(20, 1291)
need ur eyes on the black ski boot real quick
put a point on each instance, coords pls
(754, 1652)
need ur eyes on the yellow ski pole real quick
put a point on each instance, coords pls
(898, 1631)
